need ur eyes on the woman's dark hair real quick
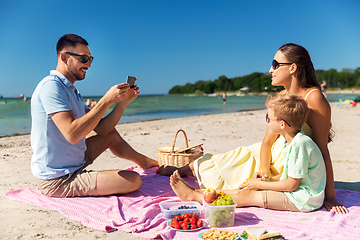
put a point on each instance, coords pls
(69, 40)
(305, 72)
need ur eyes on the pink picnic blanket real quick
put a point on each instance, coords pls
(139, 213)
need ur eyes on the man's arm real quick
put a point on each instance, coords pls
(76, 129)
(111, 120)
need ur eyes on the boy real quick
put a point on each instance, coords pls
(301, 185)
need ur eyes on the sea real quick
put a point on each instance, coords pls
(15, 113)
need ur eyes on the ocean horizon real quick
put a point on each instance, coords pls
(15, 115)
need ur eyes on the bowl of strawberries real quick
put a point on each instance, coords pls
(186, 222)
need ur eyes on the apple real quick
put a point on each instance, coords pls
(210, 195)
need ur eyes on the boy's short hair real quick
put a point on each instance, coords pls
(69, 40)
(290, 108)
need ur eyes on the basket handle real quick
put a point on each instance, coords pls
(174, 140)
(185, 149)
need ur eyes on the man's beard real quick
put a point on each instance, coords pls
(77, 75)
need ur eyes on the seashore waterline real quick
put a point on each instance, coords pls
(15, 115)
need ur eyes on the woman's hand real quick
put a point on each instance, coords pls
(261, 176)
(333, 204)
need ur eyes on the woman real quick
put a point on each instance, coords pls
(291, 68)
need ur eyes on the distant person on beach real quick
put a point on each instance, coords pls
(224, 98)
(61, 125)
(291, 68)
(323, 87)
(292, 190)
(92, 103)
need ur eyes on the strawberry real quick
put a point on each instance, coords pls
(186, 216)
(193, 226)
(176, 225)
(184, 226)
(186, 220)
(193, 220)
(199, 223)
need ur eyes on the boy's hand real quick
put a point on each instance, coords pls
(251, 184)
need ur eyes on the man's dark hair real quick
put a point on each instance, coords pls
(69, 40)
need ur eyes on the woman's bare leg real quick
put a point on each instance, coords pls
(183, 190)
(186, 192)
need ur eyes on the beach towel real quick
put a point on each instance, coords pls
(139, 213)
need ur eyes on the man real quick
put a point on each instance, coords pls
(61, 124)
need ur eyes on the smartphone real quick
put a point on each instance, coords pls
(131, 81)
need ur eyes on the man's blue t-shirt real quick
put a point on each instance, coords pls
(53, 156)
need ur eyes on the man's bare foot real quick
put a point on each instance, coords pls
(166, 170)
(148, 163)
(182, 190)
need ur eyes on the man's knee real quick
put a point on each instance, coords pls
(137, 182)
(114, 137)
(134, 180)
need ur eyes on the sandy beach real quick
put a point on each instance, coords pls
(219, 133)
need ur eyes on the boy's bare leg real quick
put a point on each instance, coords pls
(187, 170)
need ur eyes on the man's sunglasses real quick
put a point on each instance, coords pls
(84, 58)
(276, 65)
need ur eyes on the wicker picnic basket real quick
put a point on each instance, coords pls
(179, 157)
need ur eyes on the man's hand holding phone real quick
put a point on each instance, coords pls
(131, 81)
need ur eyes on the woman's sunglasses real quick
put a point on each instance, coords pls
(276, 65)
(84, 58)
(268, 120)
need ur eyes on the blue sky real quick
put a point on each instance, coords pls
(168, 43)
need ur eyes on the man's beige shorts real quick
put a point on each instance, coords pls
(79, 183)
(278, 201)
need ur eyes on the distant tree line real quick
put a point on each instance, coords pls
(261, 82)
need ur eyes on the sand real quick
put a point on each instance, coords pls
(219, 133)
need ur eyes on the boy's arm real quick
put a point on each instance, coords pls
(276, 178)
(287, 185)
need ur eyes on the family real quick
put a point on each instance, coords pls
(290, 170)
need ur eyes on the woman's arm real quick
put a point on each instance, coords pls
(319, 120)
(265, 152)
